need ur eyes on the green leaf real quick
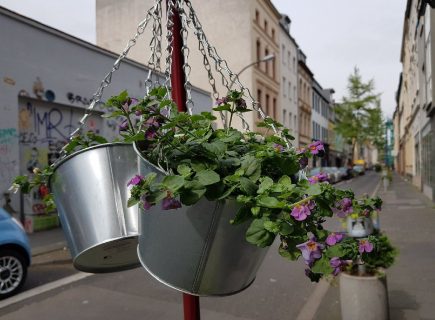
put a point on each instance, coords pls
(269, 202)
(265, 184)
(216, 147)
(224, 107)
(255, 211)
(258, 235)
(289, 252)
(247, 186)
(313, 190)
(322, 266)
(286, 182)
(131, 202)
(207, 177)
(242, 215)
(173, 183)
(286, 228)
(249, 164)
(227, 193)
(184, 170)
(335, 251)
(272, 226)
(190, 197)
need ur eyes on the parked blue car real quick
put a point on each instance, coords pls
(15, 255)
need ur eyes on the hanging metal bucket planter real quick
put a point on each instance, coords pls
(359, 227)
(195, 249)
(90, 192)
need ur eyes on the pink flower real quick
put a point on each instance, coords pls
(137, 179)
(169, 203)
(311, 250)
(334, 238)
(301, 212)
(316, 147)
(320, 177)
(365, 246)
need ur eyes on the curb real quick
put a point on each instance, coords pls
(48, 248)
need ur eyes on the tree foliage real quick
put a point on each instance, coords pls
(359, 116)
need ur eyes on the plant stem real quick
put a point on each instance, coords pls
(301, 201)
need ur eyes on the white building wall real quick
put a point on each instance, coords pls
(289, 77)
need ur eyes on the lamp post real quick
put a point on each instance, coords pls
(267, 58)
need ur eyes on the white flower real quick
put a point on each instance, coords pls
(14, 187)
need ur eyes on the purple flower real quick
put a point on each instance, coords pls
(222, 100)
(334, 238)
(137, 179)
(303, 162)
(316, 147)
(150, 134)
(169, 203)
(123, 126)
(336, 263)
(146, 205)
(320, 177)
(152, 122)
(365, 246)
(345, 207)
(138, 113)
(278, 148)
(300, 212)
(311, 250)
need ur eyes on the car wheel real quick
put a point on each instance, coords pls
(13, 272)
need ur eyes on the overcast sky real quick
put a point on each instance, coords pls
(336, 35)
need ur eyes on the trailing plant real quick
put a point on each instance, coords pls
(261, 172)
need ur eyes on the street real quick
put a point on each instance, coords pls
(279, 292)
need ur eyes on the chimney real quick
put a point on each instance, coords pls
(285, 22)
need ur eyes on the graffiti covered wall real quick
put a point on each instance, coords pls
(44, 129)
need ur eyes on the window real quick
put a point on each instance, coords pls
(282, 54)
(284, 116)
(265, 26)
(290, 90)
(295, 122)
(273, 35)
(294, 63)
(289, 58)
(267, 105)
(290, 120)
(273, 68)
(283, 86)
(257, 16)
(258, 49)
(274, 109)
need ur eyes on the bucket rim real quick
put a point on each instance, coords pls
(58, 164)
(142, 158)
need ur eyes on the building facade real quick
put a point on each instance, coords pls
(248, 31)
(413, 119)
(43, 96)
(289, 79)
(305, 84)
(320, 115)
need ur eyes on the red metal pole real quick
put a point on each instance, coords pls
(190, 303)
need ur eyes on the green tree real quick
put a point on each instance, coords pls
(359, 116)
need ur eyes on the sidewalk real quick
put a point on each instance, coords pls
(408, 218)
(46, 241)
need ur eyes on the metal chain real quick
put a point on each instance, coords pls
(221, 65)
(155, 45)
(108, 78)
(185, 51)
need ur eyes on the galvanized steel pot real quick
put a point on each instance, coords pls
(90, 192)
(195, 249)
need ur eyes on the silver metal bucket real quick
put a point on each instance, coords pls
(195, 249)
(90, 192)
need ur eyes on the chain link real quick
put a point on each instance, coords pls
(96, 98)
